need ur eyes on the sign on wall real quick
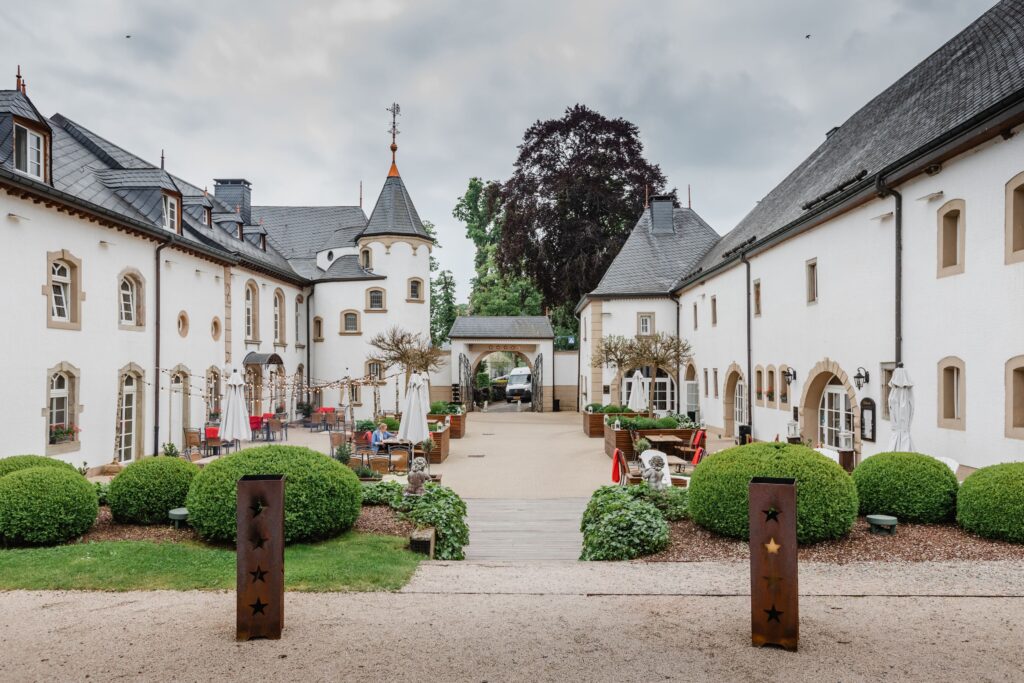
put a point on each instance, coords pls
(867, 420)
(526, 348)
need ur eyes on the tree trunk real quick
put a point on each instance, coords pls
(650, 391)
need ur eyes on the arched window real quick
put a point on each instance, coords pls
(952, 382)
(366, 258)
(61, 409)
(318, 329)
(951, 237)
(60, 284)
(254, 390)
(350, 322)
(299, 300)
(213, 392)
(127, 417)
(834, 414)
(128, 299)
(63, 290)
(769, 387)
(759, 385)
(375, 300)
(664, 388)
(59, 413)
(415, 290)
(1015, 219)
(279, 318)
(252, 312)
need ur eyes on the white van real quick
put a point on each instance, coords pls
(520, 386)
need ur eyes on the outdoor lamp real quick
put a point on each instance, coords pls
(845, 441)
(789, 374)
(861, 378)
(793, 429)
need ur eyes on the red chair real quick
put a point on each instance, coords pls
(622, 471)
(255, 426)
(697, 441)
(697, 457)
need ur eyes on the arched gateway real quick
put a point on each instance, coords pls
(531, 338)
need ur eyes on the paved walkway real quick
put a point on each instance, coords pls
(858, 622)
(524, 529)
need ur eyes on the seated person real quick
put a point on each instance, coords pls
(379, 435)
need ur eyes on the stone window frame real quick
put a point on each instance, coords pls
(383, 299)
(213, 386)
(215, 328)
(714, 311)
(1015, 219)
(958, 423)
(771, 389)
(885, 372)
(759, 385)
(299, 300)
(757, 298)
(695, 316)
(811, 281)
(355, 394)
(318, 328)
(359, 323)
(714, 375)
(639, 327)
(1014, 398)
(74, 408)
(139, 408)
(366, 258)
(182, 324)
(706, 383)
(251, 289)
(75, 294)
(135, 277)
(279, 311)
(942, 239)
(783, 401)
(368, 373)
(408, 289)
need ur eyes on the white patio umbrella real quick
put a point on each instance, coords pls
(413, 426)
(901, 411)
(235, 420)
(638, 394)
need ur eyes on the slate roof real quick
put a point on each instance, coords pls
(302, 231)
(650, 262)
(394, 213)
(515, 327)
(973, 72)
(13, 102)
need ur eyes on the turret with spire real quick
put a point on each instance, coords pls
(394, 213)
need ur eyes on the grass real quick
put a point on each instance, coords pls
(352, 562)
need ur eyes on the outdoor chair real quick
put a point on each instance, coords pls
(276, 429)
(628, 474)
(380, 464)
(316, 421)
(363, 454)
(401, 457)
(692, 465)
(330, 421)
(255, 427)
(193, 443)
(698, 440)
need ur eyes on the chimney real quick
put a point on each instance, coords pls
(235, 192)
(661, 215)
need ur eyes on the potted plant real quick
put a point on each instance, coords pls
(439, 438)
(770, 395)
(449, 413)
(214, 416)
(60, 433)
(366, 474)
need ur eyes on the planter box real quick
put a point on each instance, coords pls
(441, 442)
(593, 423)
(458, 428)
(619, 438)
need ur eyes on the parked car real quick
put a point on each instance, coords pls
(520, 386)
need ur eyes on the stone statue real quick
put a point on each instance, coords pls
(417, 477)
(653, 474)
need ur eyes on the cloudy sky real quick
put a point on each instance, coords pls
(728, 95)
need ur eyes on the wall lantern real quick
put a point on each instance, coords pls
(793, 429)
(789, 374)
(845, 441)
(862, 377)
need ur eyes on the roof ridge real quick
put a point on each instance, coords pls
(92, 144)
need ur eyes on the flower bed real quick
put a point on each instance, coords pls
(619, 438)
(593, 423)
(441, 439)
(458, 424)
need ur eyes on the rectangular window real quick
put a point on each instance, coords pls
(705, 382)
(28, 152)
(584, 328)
(757, 297)
(714, 311)
(645, 324)
(695, 315)
(714, 374)
(812, 281)
(374, 370)
(1017, 398)
(351, 322)
(59, 307)
(1016, 206)
(354, 394)
(951, 393)
(886, 374)
(376, 299)
(170, 213)
(950, 240)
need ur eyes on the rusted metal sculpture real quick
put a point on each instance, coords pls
(260, 556)
(774, 610)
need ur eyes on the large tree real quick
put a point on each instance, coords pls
(658, 352)
(577, 190)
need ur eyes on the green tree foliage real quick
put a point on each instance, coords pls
(443, 309)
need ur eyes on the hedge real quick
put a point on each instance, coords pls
(826, 495)
(23, 462)
(443, 509)
(144, 491)
(628, 529)
(636, 423)
(45, 505)
(991, 502)
(910, 486)
(322, 496)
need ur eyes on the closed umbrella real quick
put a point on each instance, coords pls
(235, 420)
(901, 411)
(637, 394)
(413, 426)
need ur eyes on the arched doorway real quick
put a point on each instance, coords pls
(828, 406)
(691, 393)
(664, 388)
(497, 365)
(179, 406)
(734, 404)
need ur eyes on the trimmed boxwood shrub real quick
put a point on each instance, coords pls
(443, 509)
(45, 505)
(322, 496)
(909, 486)
(826, 495)
(628, 529)
(671, 502)
(147, 489)
(23, 462)
(612, 408)
(382, 493)
(991, 502)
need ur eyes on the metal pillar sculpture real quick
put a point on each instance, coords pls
(260, 556)
(774, 610)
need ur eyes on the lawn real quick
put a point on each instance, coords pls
(352, 562)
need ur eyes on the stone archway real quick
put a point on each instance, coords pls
(733, 375)
(810, 399)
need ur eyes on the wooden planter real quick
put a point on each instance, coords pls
(458, 428)
(619, 438)
(593, 423)
(441, 441)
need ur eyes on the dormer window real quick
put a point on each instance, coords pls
(238, 232)
(170, 213)
(263, 242)
(28, 152)
(206, 216)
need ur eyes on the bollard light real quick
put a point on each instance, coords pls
(845, 441)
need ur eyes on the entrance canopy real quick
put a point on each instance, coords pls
(253, 358)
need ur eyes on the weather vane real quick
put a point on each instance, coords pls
(396, 111)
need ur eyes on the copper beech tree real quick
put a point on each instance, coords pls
(657, 351)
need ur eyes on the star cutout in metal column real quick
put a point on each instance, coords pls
(257, 607)
(258, 574)
(257, 507)
(258, 541)
(771, 515)
(772, 547)
(774, 614)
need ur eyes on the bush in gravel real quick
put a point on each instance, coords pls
(628, 529)
(23, 462)
(671, 502)
(382, 493)
(147, 489)
(102, 491)
(991, 502)
(322, 496)
(826, 495)
(909, 486)
(443, 509)
(45, 505)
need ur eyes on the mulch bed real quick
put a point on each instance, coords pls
(374, 519)
(912, 543)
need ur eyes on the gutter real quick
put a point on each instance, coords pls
(679, 373)
(750, 352)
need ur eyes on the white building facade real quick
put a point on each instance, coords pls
(132, 294)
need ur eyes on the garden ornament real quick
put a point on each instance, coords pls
(417, 477)
(653, 475)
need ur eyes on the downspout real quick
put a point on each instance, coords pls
(579, 364)
(750, 377)
(883, 192)
(679, 373)
(156, 344)
(309, 347)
